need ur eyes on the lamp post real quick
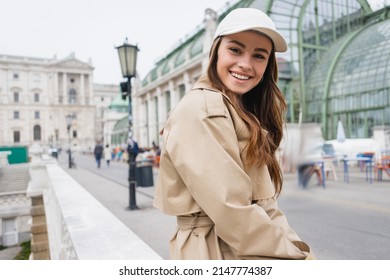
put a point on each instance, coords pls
(128, 60)
(69, 119)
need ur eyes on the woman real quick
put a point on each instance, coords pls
(218, 171)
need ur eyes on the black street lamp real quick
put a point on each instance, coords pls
(69, 119)
(128, 60)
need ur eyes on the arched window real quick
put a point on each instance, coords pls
(37, 132)
(72, 96)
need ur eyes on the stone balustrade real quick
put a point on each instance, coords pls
(4, 157)
(77, 225)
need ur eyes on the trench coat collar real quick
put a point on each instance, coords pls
(209, 86)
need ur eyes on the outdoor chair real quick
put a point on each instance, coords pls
(383, 166)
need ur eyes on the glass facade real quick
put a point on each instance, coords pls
(358, 84)
(120, 132)
(337, 65)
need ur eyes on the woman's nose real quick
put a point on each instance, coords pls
(244, 62)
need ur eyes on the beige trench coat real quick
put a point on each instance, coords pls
(224, 211)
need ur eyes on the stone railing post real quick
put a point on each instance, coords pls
(38, 182)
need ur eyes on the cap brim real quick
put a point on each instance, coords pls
(278, 40)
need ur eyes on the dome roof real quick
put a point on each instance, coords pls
(118, 104)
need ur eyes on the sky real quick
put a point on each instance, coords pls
(91, 29)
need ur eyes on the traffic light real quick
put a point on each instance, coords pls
(124, 89)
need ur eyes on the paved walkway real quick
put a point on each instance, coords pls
(10, 253)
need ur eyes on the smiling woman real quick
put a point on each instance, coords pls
(243, 58)
(223, 187)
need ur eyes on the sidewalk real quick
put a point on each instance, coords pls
(10, 253)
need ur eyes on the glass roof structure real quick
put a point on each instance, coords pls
(337, 65)
(120, 132)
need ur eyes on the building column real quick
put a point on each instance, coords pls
(55, 93)
(90, 90)
(174, 94)
(162, 114)
(64, 93)
(150, 121)
(143, 123)
(210, 20)
(187, 82)
(82, 90)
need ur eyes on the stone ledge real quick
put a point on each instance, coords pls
(38, 229)
(39, 238)
(40, 256)
(80, 227)
(38, 220)
(39, 246)
(37, 210)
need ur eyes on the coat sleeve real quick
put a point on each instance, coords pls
(203, 147)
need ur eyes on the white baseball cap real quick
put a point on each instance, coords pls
(243, 19)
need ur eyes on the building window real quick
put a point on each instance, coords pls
(167, 101)
(16, 136)
(36, 97)
(16, 76)
(16, 97)
(182, 90)
(16, 115)
(74, 133)
(9, 232)
(72, 80)
(36, 115)
(37, 132)
(72, 96)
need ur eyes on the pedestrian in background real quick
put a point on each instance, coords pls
(119, 155)
(107, 154)
(218, 170)
(98, 152)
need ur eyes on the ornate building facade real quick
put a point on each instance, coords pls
(36, 95)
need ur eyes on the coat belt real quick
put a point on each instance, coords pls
(194, 221)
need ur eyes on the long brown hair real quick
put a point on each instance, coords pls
(262, 109)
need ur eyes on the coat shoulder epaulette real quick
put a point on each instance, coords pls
(215, 105)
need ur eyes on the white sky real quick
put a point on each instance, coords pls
(92, 29)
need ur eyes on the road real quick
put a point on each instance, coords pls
(340, 222)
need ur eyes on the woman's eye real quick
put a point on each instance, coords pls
(259, 56)
(234, 50)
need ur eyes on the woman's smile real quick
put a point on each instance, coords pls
(240, 76)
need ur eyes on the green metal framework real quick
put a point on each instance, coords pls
(120, 132)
